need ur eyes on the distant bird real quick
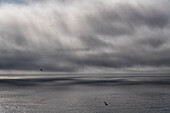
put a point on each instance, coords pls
(106, 103)
(41, 69)
(52, 25)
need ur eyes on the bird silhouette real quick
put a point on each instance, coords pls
(41, 69)
(106, 103)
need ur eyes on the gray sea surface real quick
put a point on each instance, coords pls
(85, 93)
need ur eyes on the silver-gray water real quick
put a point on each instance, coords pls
(137, 93)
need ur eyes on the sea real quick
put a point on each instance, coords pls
(85, 93)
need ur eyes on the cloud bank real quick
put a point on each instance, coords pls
(76, 35)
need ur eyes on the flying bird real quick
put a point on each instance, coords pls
(105, 103)
(41, 69)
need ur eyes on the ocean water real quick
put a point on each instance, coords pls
(125, 93)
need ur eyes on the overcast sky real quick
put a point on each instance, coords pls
(84, 35)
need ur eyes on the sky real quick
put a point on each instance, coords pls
(78, 36)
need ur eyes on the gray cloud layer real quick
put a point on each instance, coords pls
(70, 35)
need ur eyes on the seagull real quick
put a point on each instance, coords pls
(41, 69)
(105, 103)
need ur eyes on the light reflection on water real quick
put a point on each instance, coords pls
(85, 94)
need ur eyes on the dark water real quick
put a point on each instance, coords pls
(85, 94)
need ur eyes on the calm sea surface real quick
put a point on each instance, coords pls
(124, 93)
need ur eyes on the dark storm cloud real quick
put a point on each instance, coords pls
(74, 35)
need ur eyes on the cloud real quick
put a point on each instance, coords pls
(72, 35)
